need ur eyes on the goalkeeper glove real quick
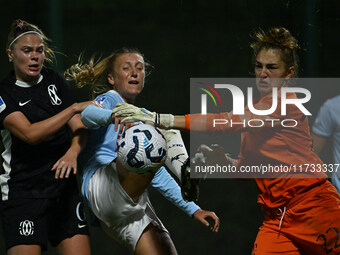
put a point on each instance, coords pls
(133, 113)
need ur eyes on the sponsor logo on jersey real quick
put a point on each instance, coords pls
(81, 225)
(52, 91)
(2, 105)
(26, 228)
(80, 215)
(22, 104)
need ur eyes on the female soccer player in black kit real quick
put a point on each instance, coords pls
(36, 110)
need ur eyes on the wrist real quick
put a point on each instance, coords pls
(72, 151)
(165, 121)
(195, 213)
(74, 108)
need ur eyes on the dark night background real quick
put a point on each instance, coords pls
(184, 39)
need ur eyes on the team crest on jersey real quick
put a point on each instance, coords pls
(26, 228)
(2, 105)
(101, 99)
(52, 91)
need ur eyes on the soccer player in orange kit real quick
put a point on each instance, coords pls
(302, 214)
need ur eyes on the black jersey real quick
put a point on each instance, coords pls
(26, 171)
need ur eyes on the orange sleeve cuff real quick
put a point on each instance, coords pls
(187, 122)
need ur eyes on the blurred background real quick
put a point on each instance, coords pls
(184, 39)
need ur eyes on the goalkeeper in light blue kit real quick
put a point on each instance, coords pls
(116, 196)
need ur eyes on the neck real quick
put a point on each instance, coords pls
(29, 80)
(129, 100)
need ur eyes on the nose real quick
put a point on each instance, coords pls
(134, 72)
(34, 55)
(263, 73)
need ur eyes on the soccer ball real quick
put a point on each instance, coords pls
(142, 149)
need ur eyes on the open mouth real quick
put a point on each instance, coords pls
(262, 83)
(34, 67)
(133, 82)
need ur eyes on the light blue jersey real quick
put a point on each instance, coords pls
(327, 124)
(102, 149)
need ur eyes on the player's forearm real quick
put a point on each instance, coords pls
(179, 122)
(95, 117)
(34, 133)
(79, 141)
(225, 122)
(169, 188)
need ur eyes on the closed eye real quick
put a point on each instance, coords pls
(272, 67)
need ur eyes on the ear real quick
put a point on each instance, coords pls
(110, 79)
(290, 72)
(9, 54)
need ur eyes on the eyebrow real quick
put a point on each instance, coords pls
(268, 64)
(29, 46)
(130, 63)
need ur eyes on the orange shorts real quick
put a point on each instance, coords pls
(309, 224)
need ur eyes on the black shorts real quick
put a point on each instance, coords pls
(37, 221)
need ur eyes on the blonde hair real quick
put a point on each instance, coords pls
(19, 27)
(277, 38)
(95, 71)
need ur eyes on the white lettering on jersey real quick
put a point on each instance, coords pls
(2, 105)
(52, 91)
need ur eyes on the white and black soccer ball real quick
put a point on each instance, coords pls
(142, 149)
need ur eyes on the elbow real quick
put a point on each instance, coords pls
(32, 139)
(85, 121)
(85, 118)
(89, 124)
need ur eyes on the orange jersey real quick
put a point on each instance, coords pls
(271, 144)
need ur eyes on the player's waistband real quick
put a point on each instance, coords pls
(298, 198)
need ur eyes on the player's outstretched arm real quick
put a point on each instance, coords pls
(202, 216)
(127, 113)
(34, 133)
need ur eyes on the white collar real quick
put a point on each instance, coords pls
(29, 84)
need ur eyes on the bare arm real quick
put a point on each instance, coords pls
(68, 161)
(179, 122)
(221, 122)
(34, 133)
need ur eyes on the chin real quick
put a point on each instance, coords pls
(135, 93)
(264, 91)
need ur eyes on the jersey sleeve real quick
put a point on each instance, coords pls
(324, 123)
(7, 106)
(95, 117)
(168, 187)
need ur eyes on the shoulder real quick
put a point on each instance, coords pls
(52, 75)
(111, 96)
(333, 102)
(48, 72)
(8, 80)
(7, 86)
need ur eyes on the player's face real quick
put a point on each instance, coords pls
(28, 57)
(128, 77)
(271, 71)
